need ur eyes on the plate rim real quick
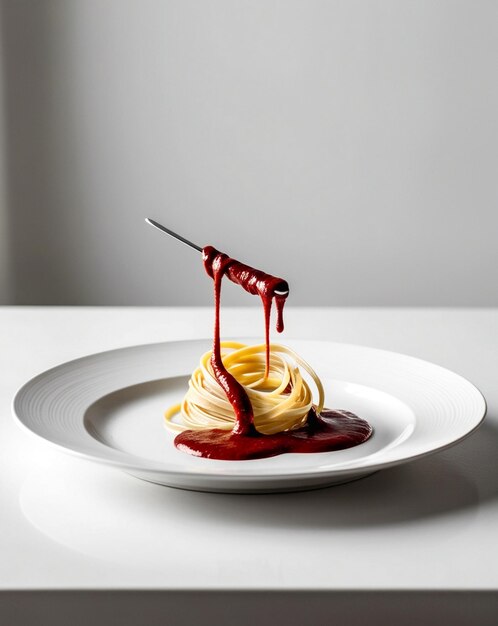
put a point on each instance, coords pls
(149, 466)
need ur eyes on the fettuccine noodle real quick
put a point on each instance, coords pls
(281, 401)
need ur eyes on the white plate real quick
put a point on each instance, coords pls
(108, 408)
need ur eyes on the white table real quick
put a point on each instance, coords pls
(84, 544)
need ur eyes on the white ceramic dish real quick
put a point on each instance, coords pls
(108, 408)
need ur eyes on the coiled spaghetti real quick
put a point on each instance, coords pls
(281, 401)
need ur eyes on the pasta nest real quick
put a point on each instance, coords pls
(281, 401)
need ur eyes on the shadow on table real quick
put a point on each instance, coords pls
(93, 511)
(456, 479)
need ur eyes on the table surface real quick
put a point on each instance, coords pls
(67, 523)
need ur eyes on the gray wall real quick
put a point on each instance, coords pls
(5, 293)
(348, 145)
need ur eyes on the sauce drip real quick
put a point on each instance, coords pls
(331, 430)
(254, 282)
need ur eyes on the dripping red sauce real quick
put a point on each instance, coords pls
(324, 432)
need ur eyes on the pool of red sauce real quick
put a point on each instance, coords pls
(324, 432)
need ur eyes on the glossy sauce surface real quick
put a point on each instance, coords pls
(331, 430)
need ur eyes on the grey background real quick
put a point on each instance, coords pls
(347, 145)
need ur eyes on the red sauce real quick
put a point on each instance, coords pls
(331, 430)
